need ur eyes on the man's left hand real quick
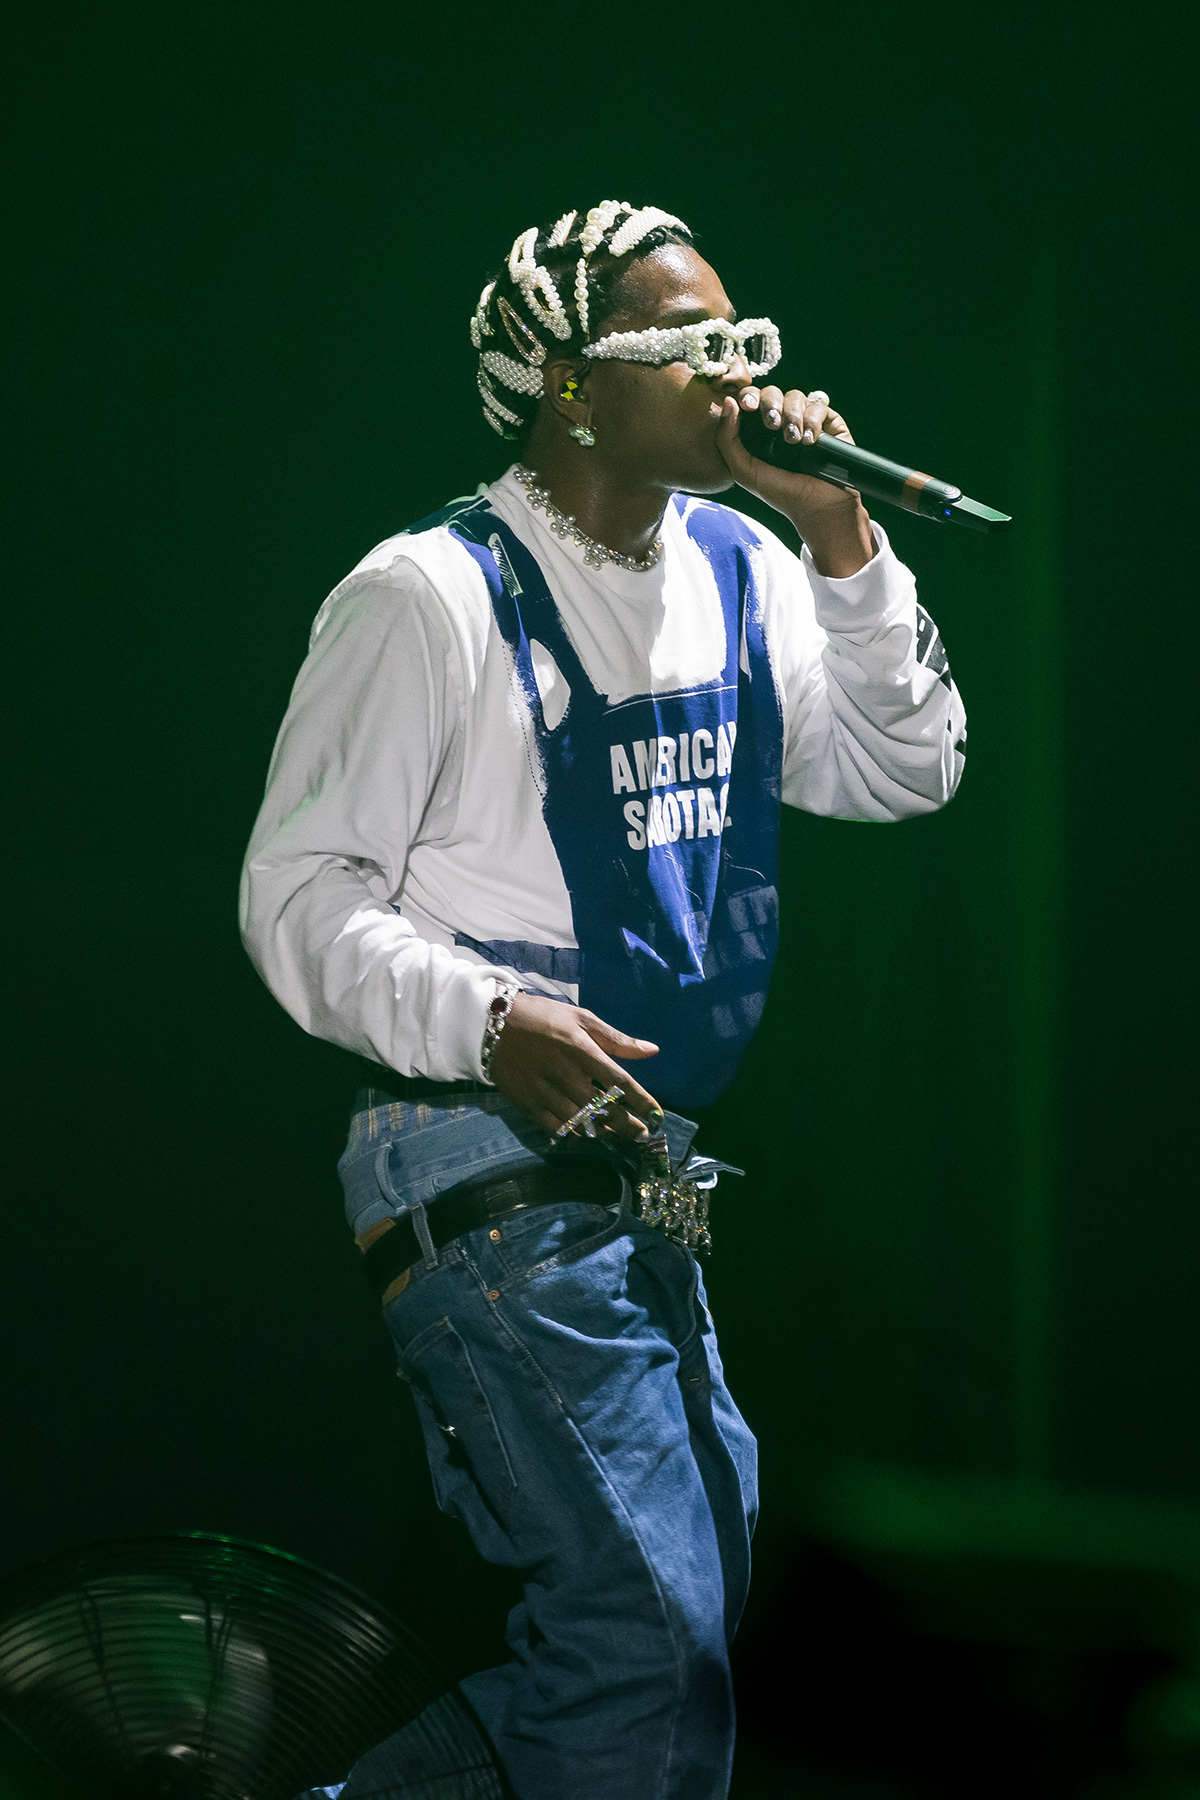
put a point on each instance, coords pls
(832, 521)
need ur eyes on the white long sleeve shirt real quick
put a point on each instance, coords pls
(405, 808)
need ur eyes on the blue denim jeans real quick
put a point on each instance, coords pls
(404, 1154)
(565, 1369)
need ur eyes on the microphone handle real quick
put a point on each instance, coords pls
(845, 465)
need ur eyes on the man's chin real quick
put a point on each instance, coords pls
(705, 489)
(710, 476)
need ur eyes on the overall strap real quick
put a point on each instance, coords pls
(523, 604)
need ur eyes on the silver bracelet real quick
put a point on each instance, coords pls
(497, 1019)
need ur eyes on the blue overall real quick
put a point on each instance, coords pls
(664, 815)
(563, 1363)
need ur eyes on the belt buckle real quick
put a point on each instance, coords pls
(669, 1202)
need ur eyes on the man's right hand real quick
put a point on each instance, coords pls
(551, 1059)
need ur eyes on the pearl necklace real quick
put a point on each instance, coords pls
(563, 525)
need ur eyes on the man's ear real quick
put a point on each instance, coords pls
(565, 387)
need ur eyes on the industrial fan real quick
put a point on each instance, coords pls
(202, 1668)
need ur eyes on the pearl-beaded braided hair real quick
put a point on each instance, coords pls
(554, 286)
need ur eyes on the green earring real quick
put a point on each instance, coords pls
(583, 434)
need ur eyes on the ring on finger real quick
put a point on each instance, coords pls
(590, 1112)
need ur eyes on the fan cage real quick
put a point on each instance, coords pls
(246, 1672)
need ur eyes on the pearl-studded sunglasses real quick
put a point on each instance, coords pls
(709, 347)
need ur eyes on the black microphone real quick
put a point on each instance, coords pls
(844, 465)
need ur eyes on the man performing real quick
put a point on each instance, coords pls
(520, 839)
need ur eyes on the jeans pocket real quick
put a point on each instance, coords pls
(547, 1235)
(467, 1457)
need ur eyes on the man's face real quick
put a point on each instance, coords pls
(656, 424)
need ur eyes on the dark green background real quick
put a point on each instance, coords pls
(243, 246)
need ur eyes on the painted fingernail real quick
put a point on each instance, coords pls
(808, 437)
(792, 434)
(750, 400)
(773, 415)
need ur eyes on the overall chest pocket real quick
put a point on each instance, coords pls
(461, 1434)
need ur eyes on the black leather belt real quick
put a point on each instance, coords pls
(476, 1203)
(379, 1080)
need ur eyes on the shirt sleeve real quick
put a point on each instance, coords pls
(873, 724)
(367, 750)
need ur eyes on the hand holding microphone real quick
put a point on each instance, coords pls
(831, 520)
(784, 446)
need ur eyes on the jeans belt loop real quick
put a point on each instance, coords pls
(417, 1213)
(383, 1174)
